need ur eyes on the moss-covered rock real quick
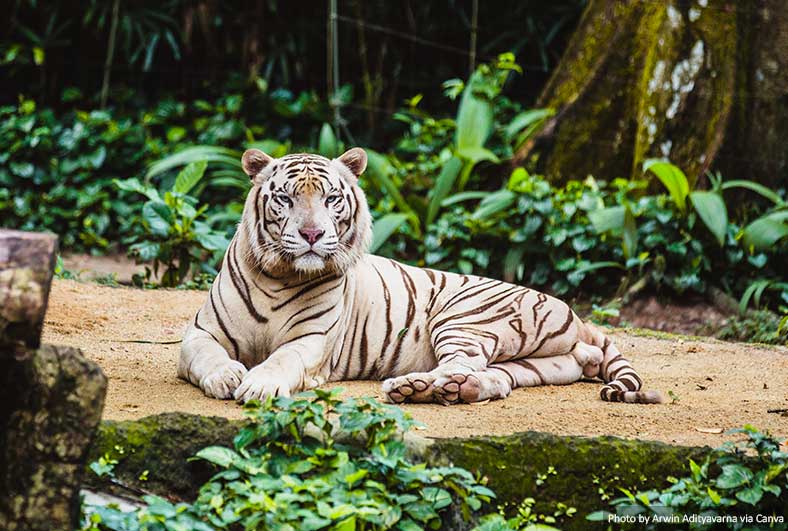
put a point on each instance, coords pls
(162, 445)
(587, 470)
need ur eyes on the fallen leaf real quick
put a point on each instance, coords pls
(710, 430)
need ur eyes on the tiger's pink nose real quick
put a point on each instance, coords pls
(311, 235)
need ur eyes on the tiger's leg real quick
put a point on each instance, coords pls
(498, 379)
(206, 364)
(452, 360)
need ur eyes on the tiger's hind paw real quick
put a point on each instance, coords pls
(469, 388)
(457, 388)
(415, 387)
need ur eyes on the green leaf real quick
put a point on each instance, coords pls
(219, 155)
(767, 230)
(477, 154)
(38, 55)
(673, 179)
(463, 196)
(443, 186)
(733, 476)
(750, 496)
(97, 157)
(189, 176)
(379, 169)
(608, 219)
(212, 241)
(755, 289)
(494, 203)
(711, 209)
(598, 516)
(384, 228)
(158, 216)
(526, 119)
(134, 185)
(218, 455)
(755, 187)
(146, 251)
(630, 243)
(474, 119)
(327, 144)
(512, 262)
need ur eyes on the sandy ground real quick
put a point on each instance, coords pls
(133, 335)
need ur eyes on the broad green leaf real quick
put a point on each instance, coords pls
(673, 179)
(755, 187)
(494, 203)
(750, 496)
(463, 196)
(219, 155)
(733, 476)
(146, 251)
(767, 230)
(526, 119)
(158, 216)
(327, 144)
(630, 243)
(380, 170)
(477, 154)
(189, 176)
(608, 219)
(218, 455)
(474, 119)
(713, 495)
(134, 185)
(711, 209)
(384, 228)
(443, 186)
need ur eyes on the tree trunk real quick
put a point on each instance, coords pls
(51, 398)
(672, 79)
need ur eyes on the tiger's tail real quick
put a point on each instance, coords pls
(622, 382)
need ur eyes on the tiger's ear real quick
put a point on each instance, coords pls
(254, 161)
(355, 159)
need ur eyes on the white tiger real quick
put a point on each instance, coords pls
(298, 302)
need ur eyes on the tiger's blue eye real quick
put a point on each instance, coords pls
(332, 199)
(284, 198)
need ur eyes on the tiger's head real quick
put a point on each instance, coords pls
(306, 213)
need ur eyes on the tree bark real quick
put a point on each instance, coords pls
(672, 79)
(51, 398)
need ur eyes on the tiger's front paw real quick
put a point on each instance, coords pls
(260, 383)
(223, 380)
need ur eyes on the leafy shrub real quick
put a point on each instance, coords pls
(289, 469)
(56, 174)
(171, 232)
(749, 478)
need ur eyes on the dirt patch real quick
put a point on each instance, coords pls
(117, 267)
(692, 317)
(718, 385)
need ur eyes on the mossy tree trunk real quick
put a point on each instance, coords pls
(51, 398)
(673, 79)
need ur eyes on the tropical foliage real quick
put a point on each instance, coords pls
(312, 462)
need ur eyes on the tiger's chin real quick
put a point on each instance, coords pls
(309, 263)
